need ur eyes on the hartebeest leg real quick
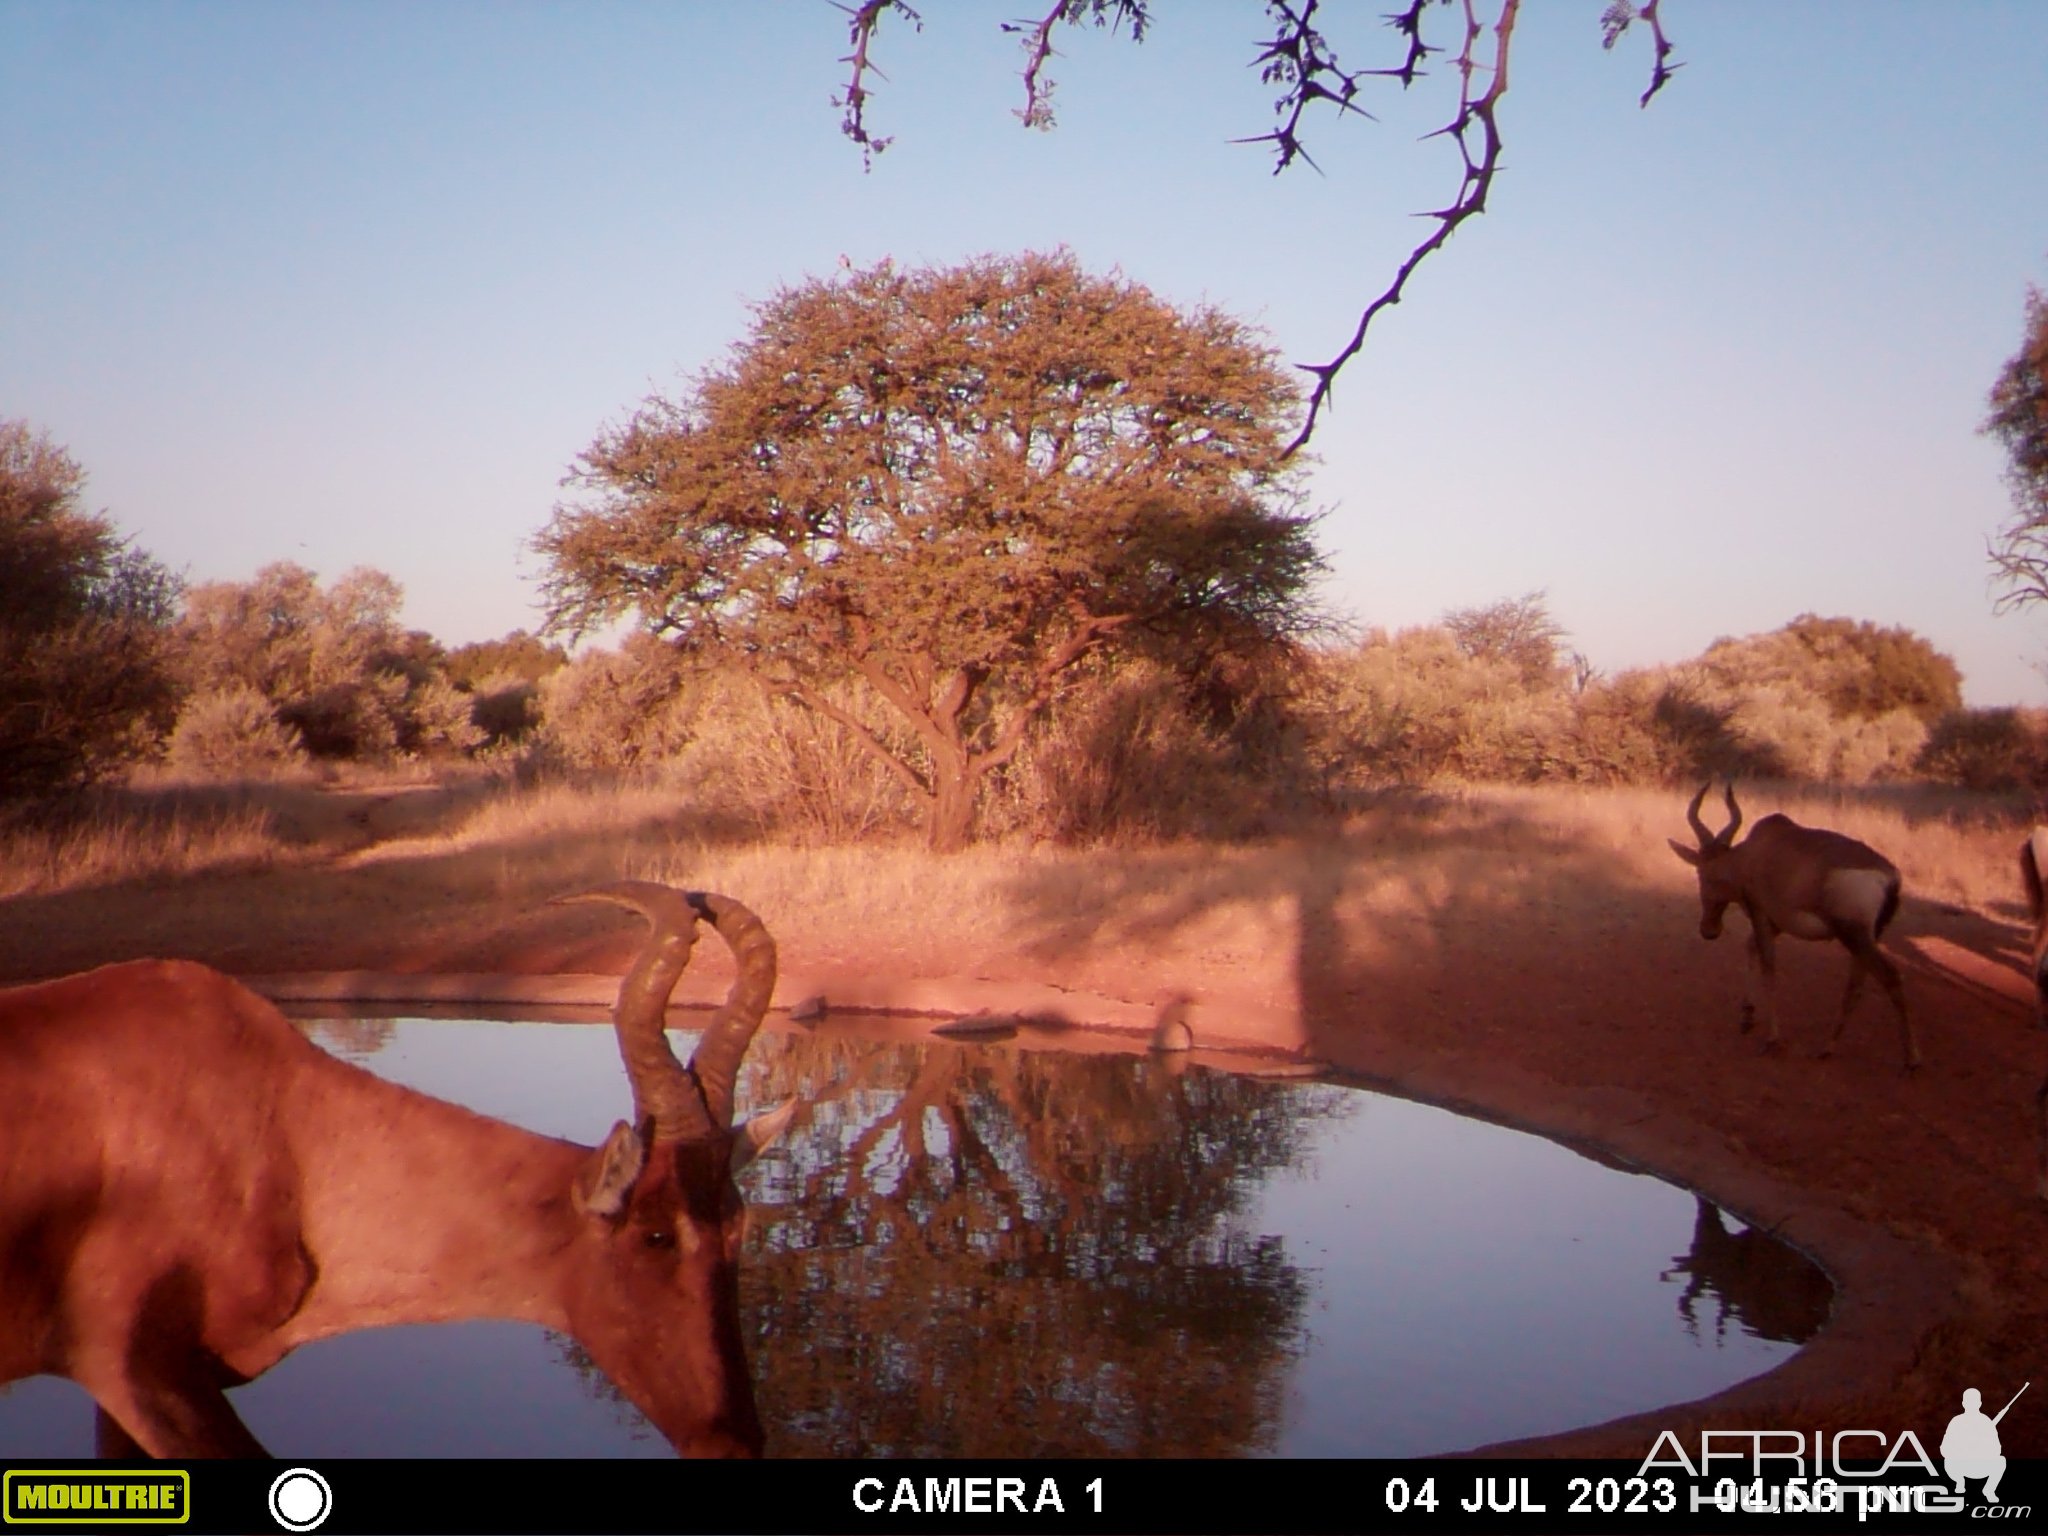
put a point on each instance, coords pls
(1851, 991)
(1763, 985)
(110, 1442)
(173, 1423)
(1864, 955)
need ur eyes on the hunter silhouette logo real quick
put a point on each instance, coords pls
(1970, 1448)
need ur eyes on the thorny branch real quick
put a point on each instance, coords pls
(1616, 20)
(1474, 117)
(1037, 36)
(1299, 59)
(867, 15)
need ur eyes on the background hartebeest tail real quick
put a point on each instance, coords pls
(1806, 882)
(2033, 871)
(190, 1189)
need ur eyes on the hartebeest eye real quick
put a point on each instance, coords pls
(659, 1238)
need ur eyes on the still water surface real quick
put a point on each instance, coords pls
(995, 1250)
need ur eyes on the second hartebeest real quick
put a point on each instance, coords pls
(2033, 871)
(1806, 882)
(190, 1189)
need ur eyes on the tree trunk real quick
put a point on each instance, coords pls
(949, 825)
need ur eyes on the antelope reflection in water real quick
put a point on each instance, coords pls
(1770, 1289)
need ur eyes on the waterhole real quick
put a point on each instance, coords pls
(999, 1249)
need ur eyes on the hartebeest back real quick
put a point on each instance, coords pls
(2033, 872)
(1805, 881)
(190, 1189)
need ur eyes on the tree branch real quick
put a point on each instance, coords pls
(867, 15)
(1037, 37)
(1474, 113)
(810, 698)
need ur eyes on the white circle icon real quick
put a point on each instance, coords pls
(300, 1499)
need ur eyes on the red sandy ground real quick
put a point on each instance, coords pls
(1917, 1191)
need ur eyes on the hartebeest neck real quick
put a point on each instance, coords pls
(431, 1214)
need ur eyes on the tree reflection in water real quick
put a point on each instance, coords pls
(962, 1251)
(972, 1251)
(980, 1252)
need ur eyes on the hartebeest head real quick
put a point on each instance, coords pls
(1720, 883)
(652, 1291)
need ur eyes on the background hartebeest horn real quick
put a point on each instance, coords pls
(693, 1103)
(1726, 835)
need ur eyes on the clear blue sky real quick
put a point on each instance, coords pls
(353, 283)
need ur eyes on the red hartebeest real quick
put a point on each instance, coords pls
(190, 1189)
(2033, 870)
(1810, 883)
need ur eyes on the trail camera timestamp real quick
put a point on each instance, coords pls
(1518, 1496)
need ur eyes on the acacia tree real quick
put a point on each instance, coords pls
(954, 483)
(1299, 61)
(2019, 420)
(1517, 630)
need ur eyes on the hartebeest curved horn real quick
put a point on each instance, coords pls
(693, 1103)
(1724, 837)
(1692, 815)
(1727, 833)
(716, 1061)
(663, 1091)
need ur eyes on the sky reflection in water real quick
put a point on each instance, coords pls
(990, 1250)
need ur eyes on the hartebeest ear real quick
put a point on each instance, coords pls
(607, 1176)
(759, 1133)
(1690, 855)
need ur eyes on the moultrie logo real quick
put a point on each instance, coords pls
(96, 1498)
(1970, 1447)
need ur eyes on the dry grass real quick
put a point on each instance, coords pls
(1954, 846)
(104, 839)
(1398, 869)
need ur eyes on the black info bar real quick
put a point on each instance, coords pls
(819, 1498)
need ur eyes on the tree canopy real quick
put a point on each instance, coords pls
(83, 680)
(953, 483)
(1517, 630)
(2019, 420)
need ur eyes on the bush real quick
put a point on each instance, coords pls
(1988, 749)
(1856, 670)
(438, 718)
(790, 770)
(504, 706)
(1135, 751)
(232, 732)
(332, 661)
(627, 708)
(1421, 705)
(84, 683)
(1417, 706)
